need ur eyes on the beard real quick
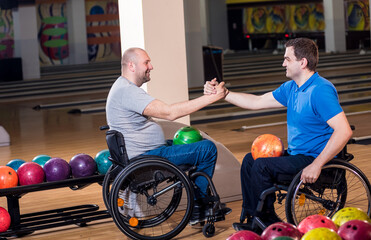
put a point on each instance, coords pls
(145, 77)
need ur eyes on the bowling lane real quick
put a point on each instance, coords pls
(238, 135)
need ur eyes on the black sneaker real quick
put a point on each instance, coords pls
(202, 212)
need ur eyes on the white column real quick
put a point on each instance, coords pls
(195, 67)
(158, 27)
(25, 40)
(217, 23)
(77, 41)
(335, 40)
(205, 22)
(369, 14)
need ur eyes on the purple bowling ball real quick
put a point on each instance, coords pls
(57, 169)
(82, 165)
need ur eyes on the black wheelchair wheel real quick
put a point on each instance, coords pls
(151, 199)
(110, 175)
(208, 230)
(340, 184)
(106, 186)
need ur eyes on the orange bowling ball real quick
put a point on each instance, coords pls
(267, 145)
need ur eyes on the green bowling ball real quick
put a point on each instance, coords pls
(102, 161)
(283, 238)
(186, 135)
(41, 159)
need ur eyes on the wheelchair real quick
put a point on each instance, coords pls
(340, 184)
(149, 197)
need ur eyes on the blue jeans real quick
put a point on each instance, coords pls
(201, 154)
(259, 175)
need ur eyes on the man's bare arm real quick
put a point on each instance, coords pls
(339, 138)
(159, 109)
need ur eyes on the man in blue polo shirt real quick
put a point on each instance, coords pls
(317, 128)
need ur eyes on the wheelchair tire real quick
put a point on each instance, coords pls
(106, 185)
(151, 199)
(340, 184)
(110, 175)
(208, 230)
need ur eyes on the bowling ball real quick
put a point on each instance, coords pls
(57, 169)
(321, 234)
(102, 161)
(30, 173)
(4, 220)
(267, 145)
(187, 135)
(281, 229)
(82, 165)
(41, 159)
(316, 221)
(355, 229)
(8, 177)
(15, 163)
(244, 235)
(349, 213)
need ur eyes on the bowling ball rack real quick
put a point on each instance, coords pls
(23, 224)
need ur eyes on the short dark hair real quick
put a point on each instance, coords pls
(305, 48)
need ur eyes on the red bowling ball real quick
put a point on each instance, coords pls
(30, 173)
(316, 221)
(355, 229)
(244, 235)
(82, 165)
(281, 229)
(5, 220)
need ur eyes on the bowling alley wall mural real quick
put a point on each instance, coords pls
(103, 30)
(6, 34)
(52, 32)
(102, 27)
(357, 13)
(284, 18)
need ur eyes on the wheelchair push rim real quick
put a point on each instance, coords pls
(347, 187)
(151, 199)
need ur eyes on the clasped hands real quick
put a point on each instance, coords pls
(213, 87)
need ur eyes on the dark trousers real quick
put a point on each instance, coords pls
(260, 174)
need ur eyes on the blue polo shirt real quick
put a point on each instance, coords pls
(308, 110)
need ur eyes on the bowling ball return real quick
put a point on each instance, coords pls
(23, 224)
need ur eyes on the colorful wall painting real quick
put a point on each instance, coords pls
(284, 18)
(357, 13)
(103, 30)
(265, 19)
(52, 32)
(6, 34)
(307, 18)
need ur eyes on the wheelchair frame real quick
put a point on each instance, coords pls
(327, 195)
(143, 182)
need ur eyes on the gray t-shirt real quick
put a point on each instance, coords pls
(124, 108)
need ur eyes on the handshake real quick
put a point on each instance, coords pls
(214, 88)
